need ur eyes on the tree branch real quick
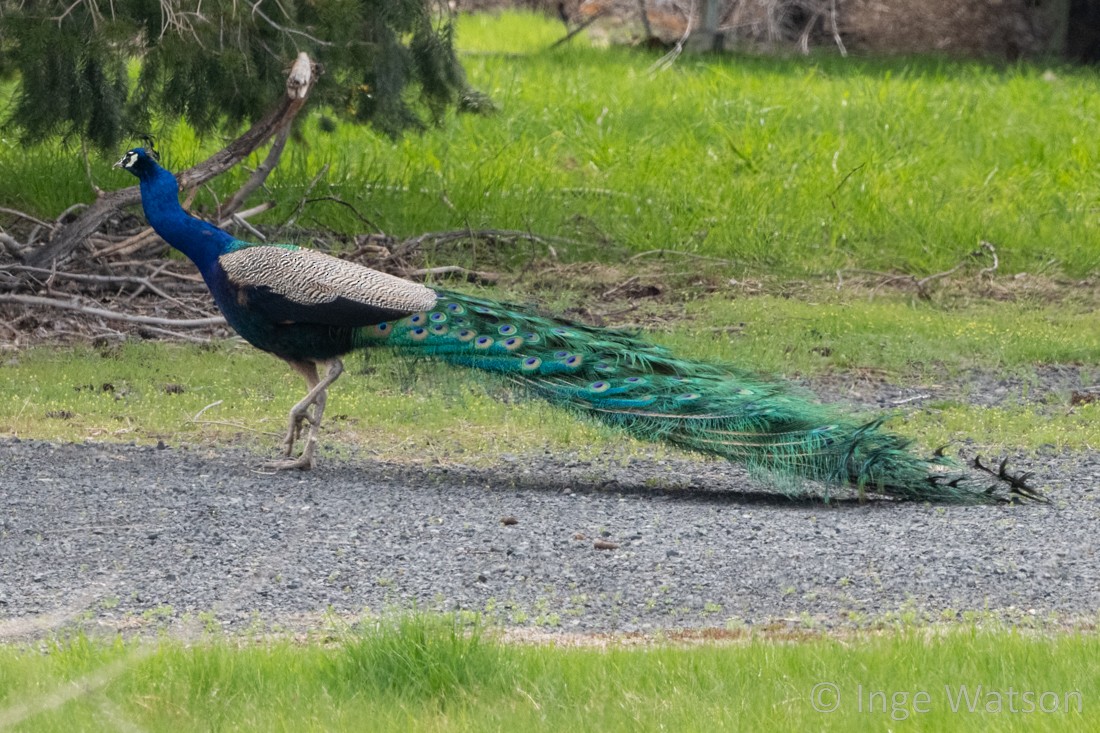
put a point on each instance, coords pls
(263, 170)
(580, 27)
(73, 305)
(298, 84)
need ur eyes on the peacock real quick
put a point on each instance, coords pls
(309, 309)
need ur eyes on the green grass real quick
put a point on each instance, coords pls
(786, 167)
(901, 336)
(235, 393)
(434, 673)
(231, 392)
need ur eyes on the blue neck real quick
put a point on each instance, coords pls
(203, 243)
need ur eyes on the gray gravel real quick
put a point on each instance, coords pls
(140, 537)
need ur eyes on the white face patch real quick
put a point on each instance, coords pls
(128, 160)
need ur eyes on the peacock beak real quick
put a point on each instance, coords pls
(120, 162)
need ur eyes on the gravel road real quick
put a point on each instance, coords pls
(143, 537)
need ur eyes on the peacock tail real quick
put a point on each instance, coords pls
(639, 387)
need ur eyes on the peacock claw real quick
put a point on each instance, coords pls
(304, 462)
(307, 460)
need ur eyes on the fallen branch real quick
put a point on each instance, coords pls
(141, 282)
(129, 245)
(406, 247)
(73, 305)
(920, 284)
(239, 221)
(175, 335)
(985, 247)
(988, 247)
(200, 412)
(678, 253)
(621, 286)
(474, 276)
(11, 246)
(25, 216)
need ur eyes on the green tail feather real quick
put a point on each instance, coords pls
(624, 381)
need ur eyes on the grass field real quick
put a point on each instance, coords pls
(788, 170)
(435, 673)
(787, 167)
(189, 394)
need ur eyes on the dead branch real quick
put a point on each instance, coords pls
(621, 286)
(907, 400)
(302, 201)
(988, 247)
(175, 334)
(644, 14)
(338, 200)
(239, 221)
(74, 305)
(804, 38)
(141, 282)
(135, 243)
(921, 284)
(678, 253)
(408, 246)
(250, 212)
(479, 277)
(129, 245)
(71, 210)
(580, 27)
(10, 245)
(298, 84)
(259, 176)
(24, 215)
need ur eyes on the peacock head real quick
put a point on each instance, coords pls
(139, 161)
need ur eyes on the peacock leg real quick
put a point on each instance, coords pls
(300, 413)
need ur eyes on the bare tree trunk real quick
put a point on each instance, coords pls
(298, 84)
(711, 35)
(644, 14)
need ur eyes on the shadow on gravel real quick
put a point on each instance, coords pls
(728, 485)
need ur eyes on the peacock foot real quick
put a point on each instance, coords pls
(300, 415)
(298, 418)
(303, 462)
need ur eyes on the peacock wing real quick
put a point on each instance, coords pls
(286, 284)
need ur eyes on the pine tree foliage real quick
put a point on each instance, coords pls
(105, 71)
